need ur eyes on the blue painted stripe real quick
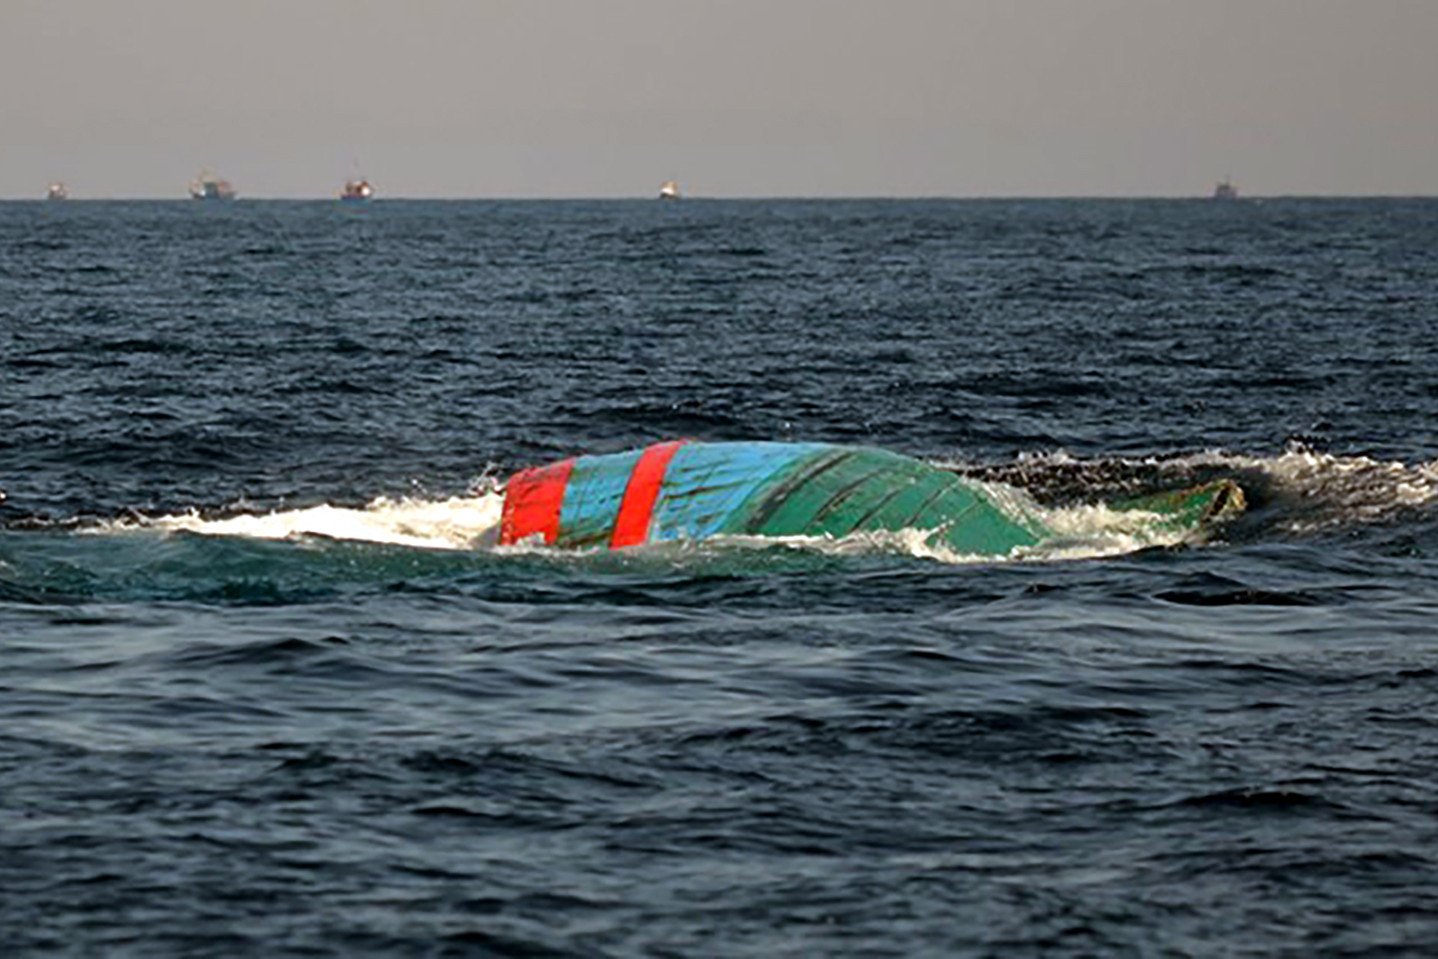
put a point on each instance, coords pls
(706, 483)
(591, 500)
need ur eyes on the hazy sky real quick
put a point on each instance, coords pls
(543, 98)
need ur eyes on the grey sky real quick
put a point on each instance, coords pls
(509, 98)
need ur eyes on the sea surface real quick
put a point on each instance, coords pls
(263, 691)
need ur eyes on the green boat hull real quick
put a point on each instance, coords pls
(696, 491)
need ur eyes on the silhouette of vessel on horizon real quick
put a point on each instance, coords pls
(207, 186)
(357, 191)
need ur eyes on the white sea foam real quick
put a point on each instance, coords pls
(459, 522)
(1371, 488)
(1316, 491)
(1301, 491)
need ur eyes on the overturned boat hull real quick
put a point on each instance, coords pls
(695, 491)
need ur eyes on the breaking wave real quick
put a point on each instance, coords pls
(1296, 493)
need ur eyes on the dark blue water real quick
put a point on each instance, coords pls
(225, 745)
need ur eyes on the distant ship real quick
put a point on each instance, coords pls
(356, 191)
(669, 190)
(207, 186)
(1225, 190)
(57, 191)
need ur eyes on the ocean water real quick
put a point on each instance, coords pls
(262, 692)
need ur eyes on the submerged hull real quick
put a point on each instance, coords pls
(695, 491)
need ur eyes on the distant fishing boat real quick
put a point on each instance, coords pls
(356, 191)
(57, 191)
(1225, 190)
(207, 186)
(669, 190)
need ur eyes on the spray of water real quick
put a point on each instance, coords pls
(1298, 492)
(459, 522)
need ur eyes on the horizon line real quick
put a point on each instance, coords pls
(332, 198)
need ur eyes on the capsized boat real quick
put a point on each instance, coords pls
(356, 191)
(693, 491)
(207, 186)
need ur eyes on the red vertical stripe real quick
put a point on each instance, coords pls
(631, 526)
(532, 500)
